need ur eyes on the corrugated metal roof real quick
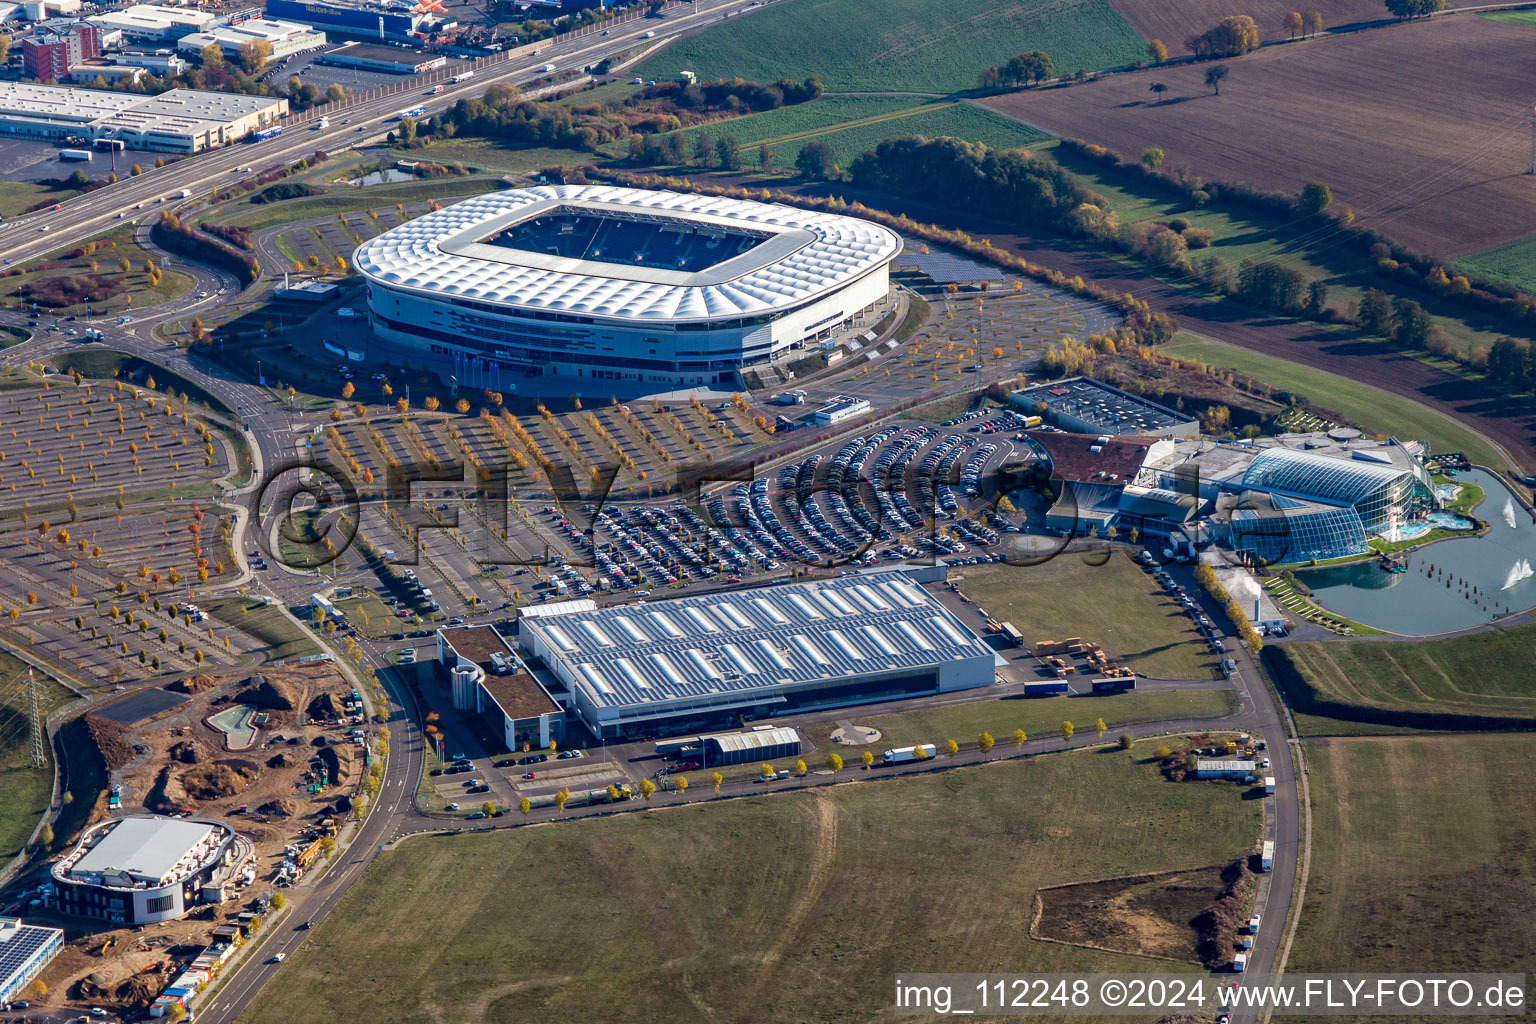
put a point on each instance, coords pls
(755, 740)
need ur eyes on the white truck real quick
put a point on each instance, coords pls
(1269, 785)
(901, 755)
(1267, 858)
(185, 193)
(547, 68)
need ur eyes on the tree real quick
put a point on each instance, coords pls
(1375, 313)
(1157, 89)
(951, 748)
(1411, 325)
(279, 901)
(984, 743)
(335, 93)
(175, 1012)
(1152, 159)
(715, 778)
(1215, 76)
(681, 782)
(1411, 9)
(565, 794)
(1033, 67)
(1099, 727)
(1315, 197)
(801, 768)
(1292, 24)
(1317, 298)
(834, 763)
(866, 759)
(765, 769)
(45, 835)
(38, 989)
(1127, 741)
(5, 48)
(703, 150)
(728, 153)
(525, 805)
(254, 55)
(647, 789)
(815, 161)
(1314, 21)
(211, 56)
(765, 156)
(1157, 50)
(1232, 36)
(919, 752)
(1019, 736)
(488, 808)
(1067, 730)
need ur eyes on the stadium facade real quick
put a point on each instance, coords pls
(698, 663)
(620, 284)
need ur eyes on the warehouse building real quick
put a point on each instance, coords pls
(392, 60)
(143, 869)
(487, 678)
(178, 121)
(286, 38)
(1207, 768)
(764, 743)
(1088, 406)
(394, 20)
(698, 663)
(25, 949)
(149, 23)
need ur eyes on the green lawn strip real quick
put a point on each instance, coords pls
(283, 639)
(368, 613)
(356, 200)
(1376, 410)
(1116, 605)
(24, 790)
(784, 907)
(1039, 717)
(1416, 847)
(900, 45)
(16, 196)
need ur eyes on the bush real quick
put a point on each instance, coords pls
(286, 190)
(1198, 238)
(171, 234)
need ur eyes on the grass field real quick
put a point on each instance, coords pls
(900, 45)
(351, 200)
(24, 791)
(789, 907)
(266, 623)
(1446, 181)
(117, 244)
(1421, 859)
(1115, 605)
(16, 196)
(1376, 411)
(1481, 674)
(1513, 264)
(1512, 17)
(1039, 718)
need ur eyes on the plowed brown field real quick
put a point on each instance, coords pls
(1174, 22)
(1423, 129)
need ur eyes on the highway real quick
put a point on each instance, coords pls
(80, 218)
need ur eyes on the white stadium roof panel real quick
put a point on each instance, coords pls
(809, 254)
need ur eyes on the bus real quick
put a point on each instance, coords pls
(419, 110)
(267, 133)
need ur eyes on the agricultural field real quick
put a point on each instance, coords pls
(1447, 180)
(1483, 673)
(1173, 23)
(1377, 411)
(1421, 861)
(790, 907)
(1116, 605)
(1513, 264)
(24, 791)
(900, 45)
(91, 275)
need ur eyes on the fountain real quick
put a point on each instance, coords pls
(1509, 512)
(1521, 570)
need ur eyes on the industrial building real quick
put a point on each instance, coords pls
(1087, 406)
(764, 743)
(620, 284)
(143, 869)
(486, 677)
(392, 60)
(699, 663)
(285, 37)
(49, 56)
(150, 23)
(395, 20)
(839, 409)
(178, 121)
(1207, 768)
(25, 949)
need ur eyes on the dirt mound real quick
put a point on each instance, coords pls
(270, 694)
(138, 990)
(279, 761)
(1218, 923)
(212, 782)
(279, 808)
(109, 738)
(325, 708)
(187, 752)
(193, 684)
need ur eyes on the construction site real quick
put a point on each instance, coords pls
(275, 757)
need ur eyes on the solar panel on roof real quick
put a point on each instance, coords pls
(565, 642)
(632, 673)
(950, 632)
(702, 663)
(666, 668)
(945, 268)
(596, 633)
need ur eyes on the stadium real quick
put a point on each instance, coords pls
(618, 284)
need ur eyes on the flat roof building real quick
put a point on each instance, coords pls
(392, 60)
(694, 663)
(151, 23)
(25, 949)
(1206, 768)
(1088, 406)
(178, 121)
(487, 678)
(285, 37)
(141, 869)
(765, 743)
(839, 409)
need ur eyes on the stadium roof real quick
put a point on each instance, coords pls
(145, 848)
(746, 640)
(808, 255)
